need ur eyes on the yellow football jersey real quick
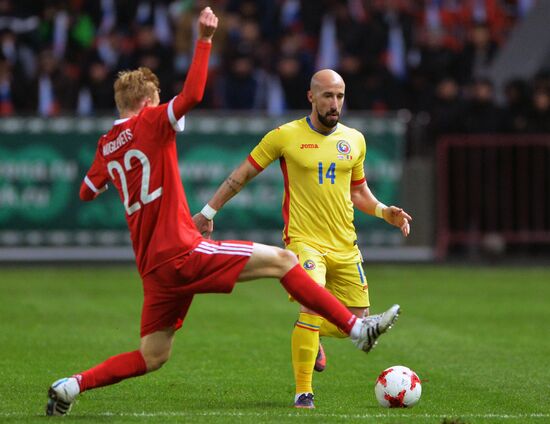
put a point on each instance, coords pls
(318, 170)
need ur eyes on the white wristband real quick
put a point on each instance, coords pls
(379, 210)
(209, 212)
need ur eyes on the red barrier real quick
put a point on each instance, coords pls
(492, 189)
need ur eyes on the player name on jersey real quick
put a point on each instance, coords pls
(123, 138)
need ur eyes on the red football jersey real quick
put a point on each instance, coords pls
(139, 156)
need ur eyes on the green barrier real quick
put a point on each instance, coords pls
(42, 164)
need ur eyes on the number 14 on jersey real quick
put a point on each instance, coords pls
(330, 174)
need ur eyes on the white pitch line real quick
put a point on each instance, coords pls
(288, 415)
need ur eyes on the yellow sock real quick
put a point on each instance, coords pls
(305, 345)
(328, 329)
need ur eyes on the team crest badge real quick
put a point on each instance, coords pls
(343, 147)
(309, 265)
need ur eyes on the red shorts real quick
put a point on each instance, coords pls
(212, 267)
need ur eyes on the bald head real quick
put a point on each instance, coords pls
(323, 79)
(326, 95)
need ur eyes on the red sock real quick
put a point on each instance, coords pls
(310, 294)
(113, 370)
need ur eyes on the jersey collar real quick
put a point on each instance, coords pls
(120, 121)
(316, 130)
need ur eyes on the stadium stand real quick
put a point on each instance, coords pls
(58, 57)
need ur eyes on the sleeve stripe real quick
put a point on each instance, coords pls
(93, 187)
(171, 115)
(358, 182)
(178, 126)
(255, 164)
(90, 184)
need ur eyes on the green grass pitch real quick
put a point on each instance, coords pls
(477, 336)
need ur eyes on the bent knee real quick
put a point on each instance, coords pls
(287, 258)
(156, 361)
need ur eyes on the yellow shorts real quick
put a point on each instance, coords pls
(342, 276)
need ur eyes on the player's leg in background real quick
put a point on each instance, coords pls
(304, 348)
(347, 281)
(269, 261)
(305, 334)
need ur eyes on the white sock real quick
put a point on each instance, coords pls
(68, 388)
(356, 329)
(72, 388)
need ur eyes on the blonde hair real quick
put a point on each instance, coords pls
(131, 87)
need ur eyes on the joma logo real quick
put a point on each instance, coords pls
(309, 146)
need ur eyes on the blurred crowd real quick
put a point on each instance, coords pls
(61, 56)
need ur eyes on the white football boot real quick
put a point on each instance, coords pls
(61, 396)
(373, 326)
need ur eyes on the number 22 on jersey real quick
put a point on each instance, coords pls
(330, 175)
(145, 196)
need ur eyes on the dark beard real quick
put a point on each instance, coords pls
(323, 120)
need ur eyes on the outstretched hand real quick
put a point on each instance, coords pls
(208, 22)
(399, 218)
(205, 226)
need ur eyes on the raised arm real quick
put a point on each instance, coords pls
(364, 200)
(229, 188)
(193, 88)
